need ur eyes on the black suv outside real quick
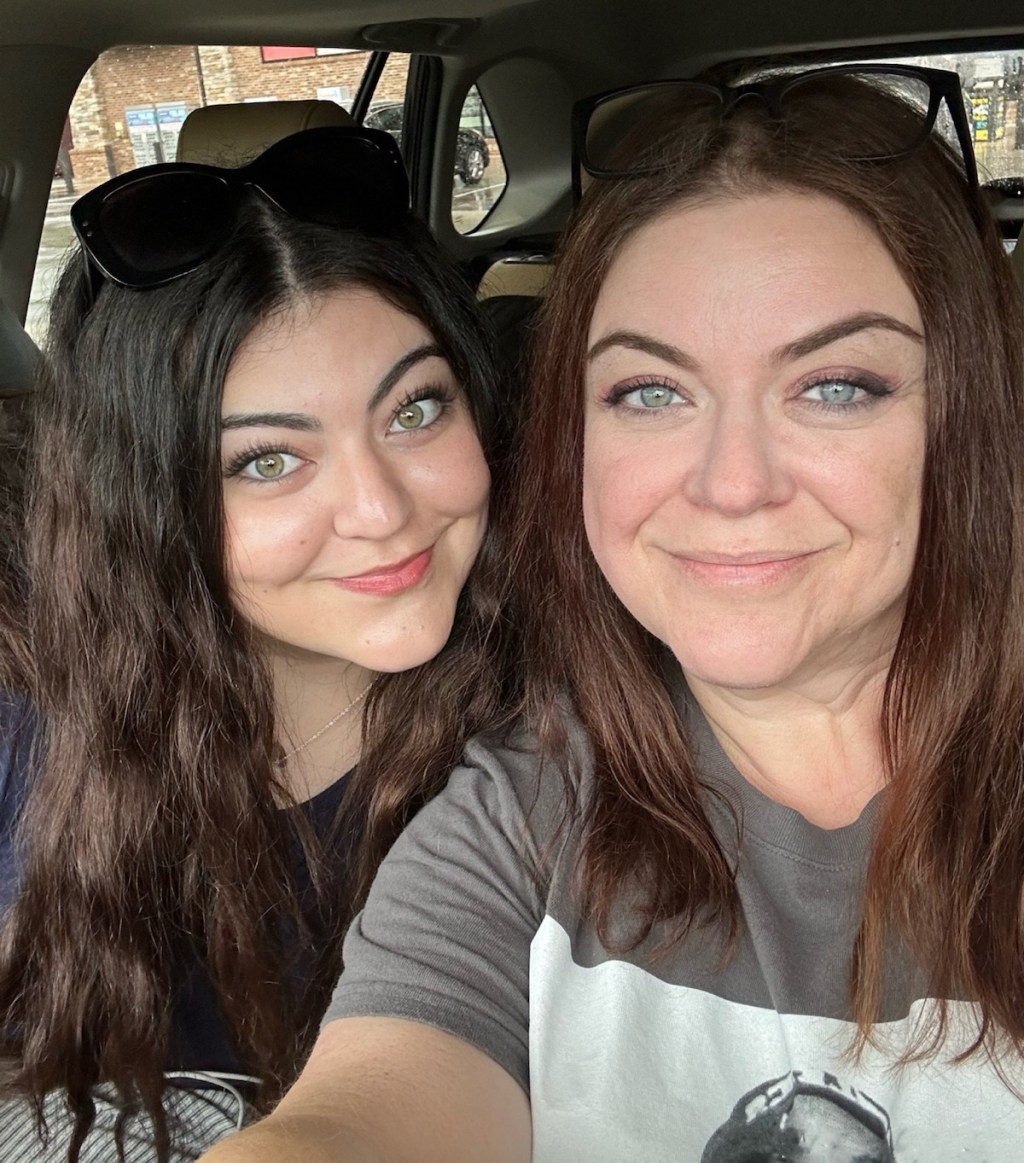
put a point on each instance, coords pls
(472, 156)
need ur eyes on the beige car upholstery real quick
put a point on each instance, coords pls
(231, 135)
(527, 274)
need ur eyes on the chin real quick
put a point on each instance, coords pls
(735, 666)
(405, 652)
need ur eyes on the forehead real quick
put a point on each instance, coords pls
(349, 336)
(751, 268)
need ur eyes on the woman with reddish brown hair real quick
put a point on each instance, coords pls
(751, 887)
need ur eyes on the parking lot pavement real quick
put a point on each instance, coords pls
(470, 204)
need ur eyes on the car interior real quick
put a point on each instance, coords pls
(525, 63)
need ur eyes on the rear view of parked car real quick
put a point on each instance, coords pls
(472, 156)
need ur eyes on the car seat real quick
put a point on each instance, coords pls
(231, 135)
(18, 356)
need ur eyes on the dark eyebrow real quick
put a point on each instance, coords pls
(300, 422)
(832, 332)
(297, 421)
(637, 341)
(805, 345)
(409, 360)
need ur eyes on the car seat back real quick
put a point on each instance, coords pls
(18, 356)
(231, 135)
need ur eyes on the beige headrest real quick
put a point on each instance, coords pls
(231, 135)
(516, 275)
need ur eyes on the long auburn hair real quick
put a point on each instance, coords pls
(947, 868)
(153, 833)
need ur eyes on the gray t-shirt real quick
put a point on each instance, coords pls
(670, 1058)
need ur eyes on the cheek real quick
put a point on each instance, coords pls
(876, 491)
(455, 479)
(266, 544)
(623, 485)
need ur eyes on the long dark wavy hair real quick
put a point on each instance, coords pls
(15, 656)
(153, 834)
(947, 869)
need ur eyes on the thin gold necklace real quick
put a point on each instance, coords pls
(283, 758)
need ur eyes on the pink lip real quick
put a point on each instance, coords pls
(756, 568)
(390, 579)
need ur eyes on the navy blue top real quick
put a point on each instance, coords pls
(199, 1034)
(17, 730)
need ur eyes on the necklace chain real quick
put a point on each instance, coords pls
(283, 759)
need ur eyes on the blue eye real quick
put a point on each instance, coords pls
(834, 392)
(647, 398)
(841, 393)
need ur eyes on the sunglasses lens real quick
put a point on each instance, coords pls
(164, 225)
(343, 181)
(620, 122)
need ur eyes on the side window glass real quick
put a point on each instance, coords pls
(479, 166)
(387, 104)
(993, 93)
(130, 107)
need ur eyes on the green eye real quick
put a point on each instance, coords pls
(269, 466)
(416, 415)
(410, 416)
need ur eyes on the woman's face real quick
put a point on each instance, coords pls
(755, 433)
(355, 489)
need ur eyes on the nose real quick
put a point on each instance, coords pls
(367, 496)
(739, 467)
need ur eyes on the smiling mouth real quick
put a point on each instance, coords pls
(390, 579)
(756, 567)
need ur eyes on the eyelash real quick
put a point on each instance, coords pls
(253, 452)
(441, 393)
(615, 397)
(875, 389)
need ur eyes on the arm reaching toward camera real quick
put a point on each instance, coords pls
(424, 1052)
(386, 1090)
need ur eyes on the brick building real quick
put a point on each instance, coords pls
(131, 103)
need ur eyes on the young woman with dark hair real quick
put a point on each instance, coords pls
(259, 482)
(753, 887)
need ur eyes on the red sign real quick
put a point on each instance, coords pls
(285, 53)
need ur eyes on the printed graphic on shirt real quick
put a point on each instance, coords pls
(801, 1117)
(625, 1066)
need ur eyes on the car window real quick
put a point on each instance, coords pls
(992, 84)
(993, 88)
(131, 104)
(479, 165)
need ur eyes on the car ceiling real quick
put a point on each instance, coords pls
(652, 33)
(534, 58)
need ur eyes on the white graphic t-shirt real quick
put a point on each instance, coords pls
(667, 1058)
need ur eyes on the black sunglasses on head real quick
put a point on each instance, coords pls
(158, 223)
(602, 123)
